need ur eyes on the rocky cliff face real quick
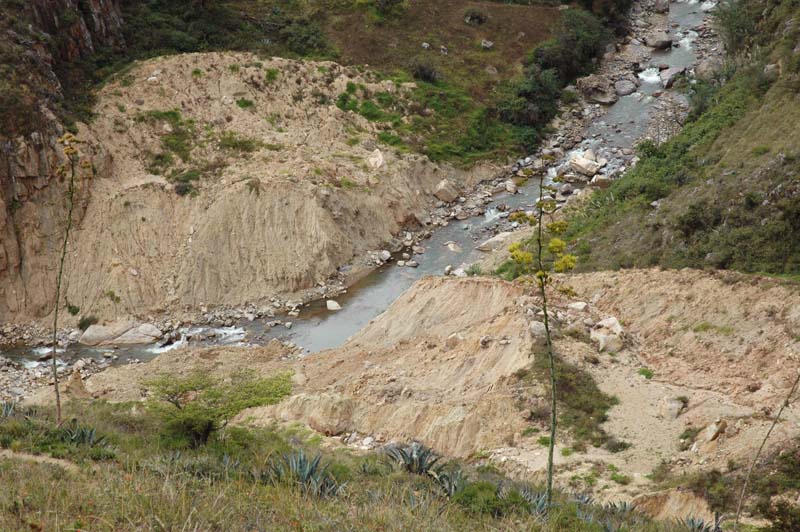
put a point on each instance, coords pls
(38, 39)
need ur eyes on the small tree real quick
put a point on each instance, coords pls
(540, 256)
(193, 408)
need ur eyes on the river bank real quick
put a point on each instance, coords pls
(587, 130)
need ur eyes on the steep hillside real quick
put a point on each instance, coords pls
(229, 180)
(725, 192)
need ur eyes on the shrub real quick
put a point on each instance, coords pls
(426, 72)
(579, 38)
(271, 76)
(86, 321)
(304, 37)
(244, 103)
(646, 373)
(195, 407)
(230, 140)
(736, 21)
(619, 478)
(475, 17)
(386, 7)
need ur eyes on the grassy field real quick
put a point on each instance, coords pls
(119, 467)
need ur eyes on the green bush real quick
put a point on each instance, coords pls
(483, 498)
(86, 321)
(737, 22)
(195, 407)
(580, 37)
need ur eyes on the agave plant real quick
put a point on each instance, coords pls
(451, 482)
(618, 507)
(414, 458)
(537, 500)
(7, 409)
(79, 435)
(584, 499)
(310, 475)
(695, 524)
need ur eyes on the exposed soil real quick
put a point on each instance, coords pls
(300, 189)
(419, 371)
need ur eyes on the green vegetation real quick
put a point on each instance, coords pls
(195, 407)
(86, 321)
(230, 140)
(646, 373)
(271, 75)
(704, 326)
(619, 478)
(244, 103)
(583, 408)
(134, 465)
(178, 141)
(710, 198)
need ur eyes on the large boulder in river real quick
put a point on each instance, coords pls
(659, 40)
(446, 191)
(624, 87)
(669, 76)
(597, 89)
(120, 333)
(584, 165)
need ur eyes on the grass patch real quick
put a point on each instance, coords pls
(178, 141)
(247, 479)
(244, 103)
(646, 373)
(583, 408)
(705, 326)
(232, 141)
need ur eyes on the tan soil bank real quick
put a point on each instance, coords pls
(288, 188)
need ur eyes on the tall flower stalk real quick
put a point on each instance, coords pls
(550, 255)
(68, 170)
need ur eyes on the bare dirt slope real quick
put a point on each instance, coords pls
(445, 365)
(280, 186)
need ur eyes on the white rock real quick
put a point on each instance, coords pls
(375, 160)
(538, 333)
(333, 305)
(583, 165)
(580, 306)
(510, 186)
(385, 255)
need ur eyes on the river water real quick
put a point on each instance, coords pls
(316, 328)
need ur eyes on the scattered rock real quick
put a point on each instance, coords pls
(333, 305)
(624, 87)
(375, 160)
(496, 242)
(658, 40)
(669, 76)
(583, 165)
(597, 89)
(713, 431)
(446, 191)
(538, 333)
